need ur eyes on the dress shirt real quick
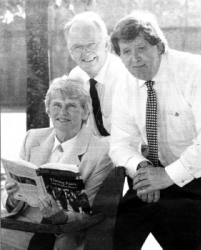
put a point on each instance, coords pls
(112, 73)
(66, 146)
(178, 90)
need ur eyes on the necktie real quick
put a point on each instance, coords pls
(96, 107)
(151, 123)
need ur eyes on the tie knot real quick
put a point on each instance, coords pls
(92, 82)
(149, 84)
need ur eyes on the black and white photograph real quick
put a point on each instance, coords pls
(100, 124)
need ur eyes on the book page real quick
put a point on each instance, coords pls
(61, 166)
(30, 185)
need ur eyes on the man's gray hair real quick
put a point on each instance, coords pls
(72, 88)
(87, 16)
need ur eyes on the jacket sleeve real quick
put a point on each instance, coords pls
(7, 204)
(102, 169)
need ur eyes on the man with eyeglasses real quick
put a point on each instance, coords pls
(89, 46)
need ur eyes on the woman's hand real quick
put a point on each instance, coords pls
(52, 210)
(11, 188)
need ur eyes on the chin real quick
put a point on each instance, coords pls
(142, 78)
(138, 75)
(91, 72)
(135, 74)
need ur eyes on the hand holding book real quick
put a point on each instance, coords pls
(11, 188)
(52, 211)
(62, 181)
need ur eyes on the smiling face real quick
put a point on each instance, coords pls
(91, 60)
(67, 116)
(140, 58)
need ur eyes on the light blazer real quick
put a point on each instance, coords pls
(90, 153)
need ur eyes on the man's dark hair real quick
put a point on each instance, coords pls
(138, 23)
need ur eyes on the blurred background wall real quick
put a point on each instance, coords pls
(179, 19)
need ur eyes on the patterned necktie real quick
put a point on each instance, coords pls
(96, 108)
(151, 123)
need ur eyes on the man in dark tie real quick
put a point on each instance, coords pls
(89, 46)
(158, 113)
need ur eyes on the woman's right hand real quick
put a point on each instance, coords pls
(11, 188)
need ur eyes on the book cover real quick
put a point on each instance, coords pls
(62, 181)
(67, 188)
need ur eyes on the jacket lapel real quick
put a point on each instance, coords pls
(79, 147)
(41, 151)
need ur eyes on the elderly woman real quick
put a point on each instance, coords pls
(68, 141)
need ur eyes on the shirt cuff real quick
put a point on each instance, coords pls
(131, 165)
(10, 207)
(178, 173)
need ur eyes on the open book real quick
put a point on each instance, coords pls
(62, 181)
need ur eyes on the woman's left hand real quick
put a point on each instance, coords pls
(51, 210)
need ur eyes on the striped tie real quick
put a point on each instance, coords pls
(151, 123)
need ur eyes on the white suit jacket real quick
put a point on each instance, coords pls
(90, 153)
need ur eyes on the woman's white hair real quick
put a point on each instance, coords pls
(72, 88)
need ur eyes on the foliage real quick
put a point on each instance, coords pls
(180, 13)
(9, 9)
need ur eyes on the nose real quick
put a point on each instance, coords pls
(135, 56)
(64, 110)
(85, 48)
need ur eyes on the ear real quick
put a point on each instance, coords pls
(85, 115)
(160, 48)
(107, 43)
(48, 112)
(70, 52)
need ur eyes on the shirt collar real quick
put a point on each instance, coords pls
(101, 77)
(160, 73)
(140, 82)
(65, 145)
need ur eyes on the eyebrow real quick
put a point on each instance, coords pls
(71, 102)
(57, 102)
(78, 44)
